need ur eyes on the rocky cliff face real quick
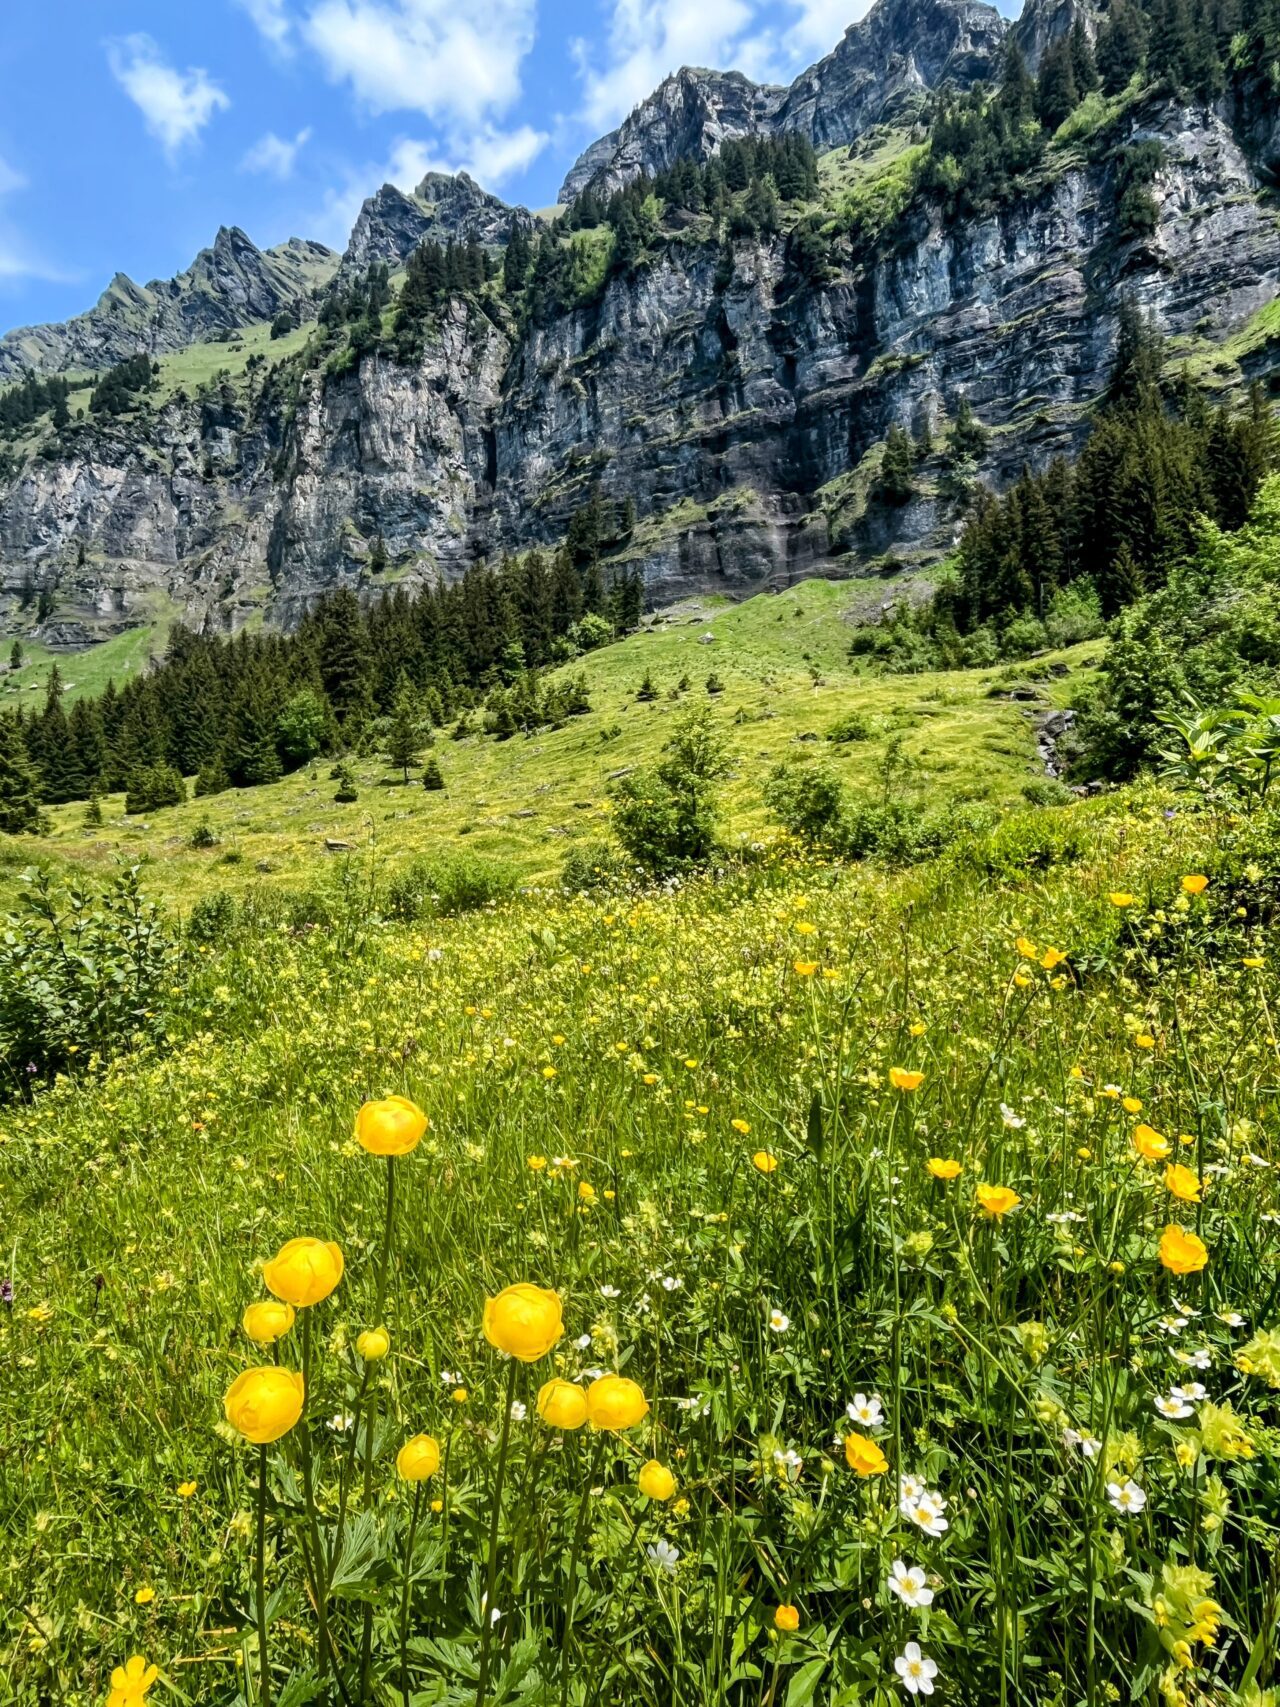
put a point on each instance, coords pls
(230, 285)
(741, 411)
(900, 52)
(391, 224)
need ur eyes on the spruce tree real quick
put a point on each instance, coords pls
(19, 789)
(404, 732)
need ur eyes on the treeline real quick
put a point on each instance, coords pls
(247, 710)
(1066, 549)
(25, 402)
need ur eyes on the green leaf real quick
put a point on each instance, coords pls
(815, 1136)
(804, 1682)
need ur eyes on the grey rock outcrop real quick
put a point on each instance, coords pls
(391, 224)
(882, 68)
(230, 285)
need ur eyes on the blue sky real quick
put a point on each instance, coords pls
(131, 129)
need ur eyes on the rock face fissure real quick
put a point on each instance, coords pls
(743, 419)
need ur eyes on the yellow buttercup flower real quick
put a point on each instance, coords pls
(863, 1456)
(743, 1126)
(1051, 958)
(786, 1619)
(267, 1321)
(1195, 883)
(373, 1343)
(562, 1404)
(418, 1458)
(655, 1481)
(1026, 948)
(1182, 1182)
(944, 1167)
(1120, 898)
(996, 1201)
(1182, 1252)
(303, 1271)
(764, 1162)
(391, 1126)
(1150, 1144)
(524, 1320)
(131, 1681)
(614, 1402)
(905, 1079)
(144, 1596)
(536, 1163)
(806, 968)
(263, 1404)
(186, 1489)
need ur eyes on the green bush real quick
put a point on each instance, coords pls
(152, 787)
(1047, 791)
(666, 819)
(441, 885)
(212, 919)
(595, 865)
(854, 726)
(79, 976)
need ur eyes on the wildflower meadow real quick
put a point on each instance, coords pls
(798, 1284)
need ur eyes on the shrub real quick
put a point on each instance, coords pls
(595, 865)
(854, 726)
(204, 835)
(212, 778)
(212, 919)
(431, 777)
(666, 819)
(441, 885)
(1047, 791)
(152, 787)
(808, 801)
(79, 976)
(345, 778)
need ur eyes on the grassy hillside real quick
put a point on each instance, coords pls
(787, 680)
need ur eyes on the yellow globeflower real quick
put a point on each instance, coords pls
(562, 1404)
(373, 1343)
(131, 1681)
(614, 1402)
(1149, 1143)
(303, 1271)
(864, 1456)
(263, 1404)
(944, 1167)
(1182, 1253)
(904, 1079)
(390, 1126)
(267, 1321)
(786, 1619)
(1195, 883)
(418, 1458)
(1182, 1182)
(524, 1320)
(764, 1162)
(655, 1481)
(996, 1200)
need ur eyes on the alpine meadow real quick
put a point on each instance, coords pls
(638, 986)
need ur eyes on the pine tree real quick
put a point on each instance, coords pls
(1056, 93)
(19, 790)
(1083, 65)
(431, 777)
(404, 734)
(897, 471)
(1122, 42)
(15, 655)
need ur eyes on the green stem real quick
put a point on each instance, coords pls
(408, 1586)
(371, 1418)
(264, 1667)
(491, 1571)
(579, 1536)
(319, 1569)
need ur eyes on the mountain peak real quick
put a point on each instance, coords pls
(901, 51)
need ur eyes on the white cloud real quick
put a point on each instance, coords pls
(274, 156)
(649, 39)
(175, 104)
(818, 27)
(272, 21)
(490, 156)
(450, 62)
